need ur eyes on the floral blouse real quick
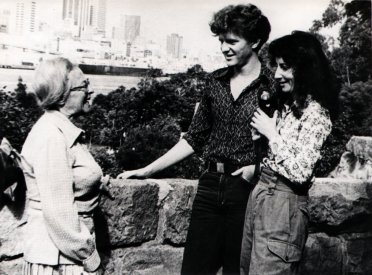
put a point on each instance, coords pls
(294, 153)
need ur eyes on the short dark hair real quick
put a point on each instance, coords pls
(246, 21)
(312, 72)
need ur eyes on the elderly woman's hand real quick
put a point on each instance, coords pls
(264, 124)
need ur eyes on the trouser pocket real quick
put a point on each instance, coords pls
(286, 251)
(291, 223)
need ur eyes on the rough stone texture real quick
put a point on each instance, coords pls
(176, 211)
(323, 255)
(360, 147)
(340, 254)
(352, 167)
(359, 253)
(132, 217)
(11, 267)
(341, 204)
(356, 162)
(10, 233)
(149, 259)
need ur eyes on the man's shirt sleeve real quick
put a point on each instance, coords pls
(201, 125)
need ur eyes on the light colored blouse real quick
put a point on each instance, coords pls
(294, 153)
(63, 183)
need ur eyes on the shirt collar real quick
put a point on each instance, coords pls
(227, 72)
(224, 73)
(68, 129)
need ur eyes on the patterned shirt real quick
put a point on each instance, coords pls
(63, 183)
(221, 127)
(294, 153)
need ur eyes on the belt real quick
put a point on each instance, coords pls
(221, 167)
(275, 181)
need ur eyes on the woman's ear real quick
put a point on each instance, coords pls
(255, 45)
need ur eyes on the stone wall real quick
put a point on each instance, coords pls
(143, 229)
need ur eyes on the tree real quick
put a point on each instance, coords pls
(18, 113)
(145, 143)
(149, 118)
(352, 59)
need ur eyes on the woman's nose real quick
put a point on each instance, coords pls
(278, 72)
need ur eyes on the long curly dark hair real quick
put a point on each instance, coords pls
(246, 21)
(312, 72)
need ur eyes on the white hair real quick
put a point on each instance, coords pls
(51, 83)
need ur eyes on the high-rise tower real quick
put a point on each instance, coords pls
(25, 16)
(85, 17)
(132, 27)
(174, 45)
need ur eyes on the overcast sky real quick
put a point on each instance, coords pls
(190, 18)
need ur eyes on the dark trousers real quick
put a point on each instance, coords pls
(216, 226)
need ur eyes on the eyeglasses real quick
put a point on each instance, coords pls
(83, 88)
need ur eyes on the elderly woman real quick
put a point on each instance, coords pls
(275, 229)
(62, 178)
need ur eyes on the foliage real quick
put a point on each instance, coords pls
(148, 142)
(357, 104)
(354, 119)
(18, 113)
(140, 124)
(155, 113)
(106, 159)
(352, 59)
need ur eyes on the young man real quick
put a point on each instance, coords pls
(221, 132)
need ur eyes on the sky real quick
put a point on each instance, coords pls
(190, 18)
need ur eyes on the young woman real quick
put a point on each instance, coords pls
(275, 229)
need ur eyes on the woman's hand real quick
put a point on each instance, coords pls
(134, 174)
(264, 124)
(246, 172)
(105, 189)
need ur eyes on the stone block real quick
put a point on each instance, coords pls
(323, 255)
(340, 254)
(341, 205)
(146, 259)
(359, 253)
(11, 267)
(131, 217)
(351, 166)
(176, 212)
(10, 233)
(360, 147)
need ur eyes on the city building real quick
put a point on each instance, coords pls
(128, 28)
(129, 46)
(174, 45)
(118, 32)
(84, 18)
(132, 27)
(4, 20)
(25, 17)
